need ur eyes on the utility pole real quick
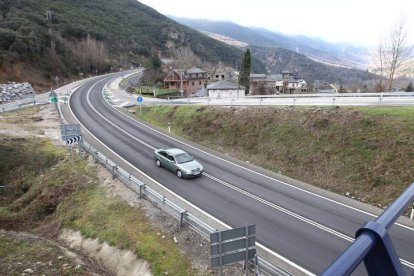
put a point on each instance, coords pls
(181, 85)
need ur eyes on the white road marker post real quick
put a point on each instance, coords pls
(412, 212)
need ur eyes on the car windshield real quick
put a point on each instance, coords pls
(183, 158)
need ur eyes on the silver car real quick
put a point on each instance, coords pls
(179, 162)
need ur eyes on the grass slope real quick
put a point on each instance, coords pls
(367, 152)
(48, 185)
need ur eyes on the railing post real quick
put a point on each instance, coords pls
(373, 244)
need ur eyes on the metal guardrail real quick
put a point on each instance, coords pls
(373, 244)
(185, 217)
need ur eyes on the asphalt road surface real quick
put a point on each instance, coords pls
(304, 227)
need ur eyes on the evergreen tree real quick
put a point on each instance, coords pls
(245, 67)
(410, 87)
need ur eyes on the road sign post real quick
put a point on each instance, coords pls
(140, 100)
(232, 246)
(71, 134)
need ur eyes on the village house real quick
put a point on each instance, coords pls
(188, 81)
(225, 89)
(290, 83)
(286, 82)
(221, 72)
(260, 84)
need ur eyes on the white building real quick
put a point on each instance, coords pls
(225, 89)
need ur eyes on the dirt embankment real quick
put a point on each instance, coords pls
(87, 222)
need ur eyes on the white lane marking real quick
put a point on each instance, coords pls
(263, 175)
(281, 209)
(297, 216)
(277, 255)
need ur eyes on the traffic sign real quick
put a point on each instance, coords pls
(74, 140)
(140, 99)
(70, 131)
(53, 97)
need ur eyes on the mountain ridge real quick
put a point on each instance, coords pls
(44, 39)
(332, 53)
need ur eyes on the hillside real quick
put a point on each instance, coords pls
(313, 58)
(87, 37)
(278, 59)
(340, 54)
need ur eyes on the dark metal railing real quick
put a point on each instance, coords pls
(373, 244)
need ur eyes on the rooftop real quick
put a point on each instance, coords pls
(224, 85)
(195, 70)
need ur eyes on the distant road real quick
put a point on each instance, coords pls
(307, 226)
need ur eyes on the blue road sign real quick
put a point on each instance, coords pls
(140, 99)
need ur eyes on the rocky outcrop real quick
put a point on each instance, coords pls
(13, 91)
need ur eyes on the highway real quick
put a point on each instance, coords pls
(309, 229)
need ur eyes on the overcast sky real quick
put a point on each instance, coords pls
(361, 22)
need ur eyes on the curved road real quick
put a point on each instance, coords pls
(306, 228)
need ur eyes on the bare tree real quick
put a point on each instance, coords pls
(393, 53)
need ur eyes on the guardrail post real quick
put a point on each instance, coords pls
(95, 156)
(256, 260)
(141, 190)
(114, 170)
(382, 259)
(182, 217)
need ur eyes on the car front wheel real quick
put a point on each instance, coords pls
(179, 174)
(158, 163)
